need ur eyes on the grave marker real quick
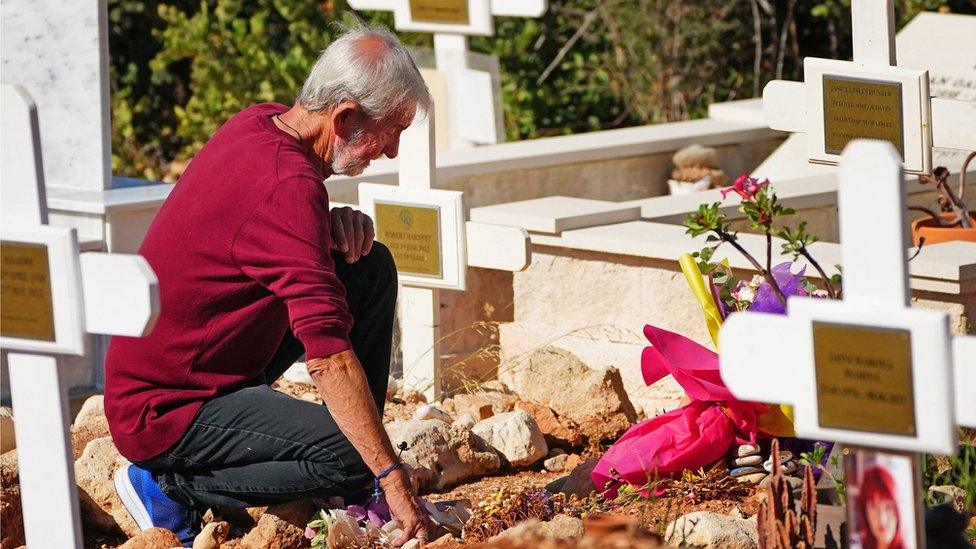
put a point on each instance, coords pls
(866, 370)
(870, 98)
(474, 121)
(429, 239)
(51, 296)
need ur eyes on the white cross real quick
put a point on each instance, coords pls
(926, 121)
(463, 245)
(48, 306)
(474, 120)
(773, 358)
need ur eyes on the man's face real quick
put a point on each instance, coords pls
(370, 140)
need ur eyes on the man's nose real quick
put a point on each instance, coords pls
(392, 146)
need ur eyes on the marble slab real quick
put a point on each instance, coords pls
(554, 214)
(59, 52)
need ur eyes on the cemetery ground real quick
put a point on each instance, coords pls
(497, 453)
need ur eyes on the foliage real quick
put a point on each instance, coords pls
(180, 68)
(958, 470)
(815, 459)
(503, 509)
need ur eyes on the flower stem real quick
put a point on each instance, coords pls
(831, 290)
(726, 237)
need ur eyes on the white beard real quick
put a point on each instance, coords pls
(343, 161)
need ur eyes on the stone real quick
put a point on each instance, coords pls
(747, 461)
(153, 538)
(741, 471)
(593, 399)
(556, 464)
(514, 435)
(273, 533)
(297, 513)
(448, 406)
(786, 467)
(795, 483)
(442, 455)
(429, 411)
(579, 482)
(484, 404)
(465, 421)
(11, 512)
(747, 450)
(563, 526)
(558, 431)
(7, 439)
(211, 536)
(707, 529)
(753, 478)
(414, 396)
(89, 424)
(100, 504)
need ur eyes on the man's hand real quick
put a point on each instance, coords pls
(352, 233)
(405, 507)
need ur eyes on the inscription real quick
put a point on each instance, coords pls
(26, 309)
(867, 109)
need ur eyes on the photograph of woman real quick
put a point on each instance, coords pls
(882, 514)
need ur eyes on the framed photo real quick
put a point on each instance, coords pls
(848, 101)
(41, 291)
(447, 16)
(424, 230)
(883, 506)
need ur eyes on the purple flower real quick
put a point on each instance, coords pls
(791, 284)
(356, 512)
(378, 512)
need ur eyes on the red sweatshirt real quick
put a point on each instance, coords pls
(242, 251)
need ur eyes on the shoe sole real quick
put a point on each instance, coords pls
(127, 493)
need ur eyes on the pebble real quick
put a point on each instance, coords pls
(794, 482)
(784, 456)
(429, 411)
(740, 471)
(747, 450)
(787, 467)
(748, 460)
(753, 478)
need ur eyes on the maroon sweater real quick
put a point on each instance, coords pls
(242, 251)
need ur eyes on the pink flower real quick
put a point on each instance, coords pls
(745, 186)
(310, 532)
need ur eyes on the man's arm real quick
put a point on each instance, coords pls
(342, 383)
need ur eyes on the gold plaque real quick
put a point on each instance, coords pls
(864, 378)
(26, 309)
(857, 108)
(413, 235)
(451, 12)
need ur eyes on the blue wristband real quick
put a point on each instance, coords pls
(377, 491)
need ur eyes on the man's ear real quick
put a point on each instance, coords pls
(346, 118)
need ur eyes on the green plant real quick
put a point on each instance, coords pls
(958, 470)
(815, 459)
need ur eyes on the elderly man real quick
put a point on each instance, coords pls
(254, 271)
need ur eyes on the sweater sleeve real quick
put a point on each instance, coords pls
(285, 246)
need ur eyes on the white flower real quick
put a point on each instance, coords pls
(757, 280)
(820, 293)
(744, 293)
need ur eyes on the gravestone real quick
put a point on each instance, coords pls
(473, 102)
(51, 296)
(59, 51)
(867, 370)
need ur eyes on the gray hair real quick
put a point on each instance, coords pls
(380, 81)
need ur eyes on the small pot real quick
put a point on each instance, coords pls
(934, 233)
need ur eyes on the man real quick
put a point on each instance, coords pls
(254, 271)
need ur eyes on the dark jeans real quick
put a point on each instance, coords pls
(256, 446)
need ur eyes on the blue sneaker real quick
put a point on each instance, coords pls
(150, 507)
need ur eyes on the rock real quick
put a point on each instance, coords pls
(11, 512)
(440, 454)
(273, 533)
(7, 440)
(753, 478)
(742, 471)
(785, 467)
(448, 406)
(429, 411)
(556, 464)
(297, 513)
(579, 482)
(391, 388)
(707, 529)
(747, 461)
(153, 538)
(594, 399)
(100, 504)
(413, 396)
(795, 483)
(558, 431)
(212, 536)
(563, 526)
(89, 424)
(484, 404)
(747, 450)
(465, 421)
(447, 540)
(515, 436)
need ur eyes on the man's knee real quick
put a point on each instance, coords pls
(346, 477)
(380, 261)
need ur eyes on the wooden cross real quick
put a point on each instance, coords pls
(869, 97)
(51, 296)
